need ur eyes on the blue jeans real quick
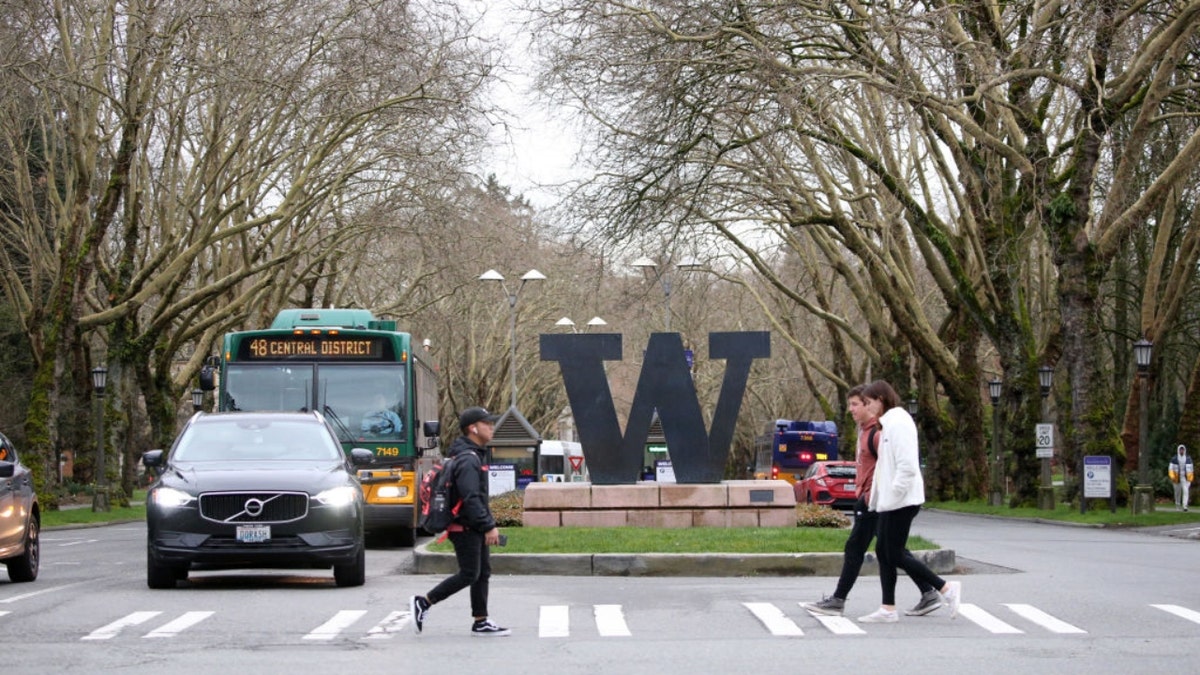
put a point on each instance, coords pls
(474, 570)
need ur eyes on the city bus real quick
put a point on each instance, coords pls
(789, 447)
(376, 390)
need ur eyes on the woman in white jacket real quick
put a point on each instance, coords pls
(896, 495)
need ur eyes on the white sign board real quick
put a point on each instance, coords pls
(1045, 440)
(501, 478)
(663, 471)
(1097, 477)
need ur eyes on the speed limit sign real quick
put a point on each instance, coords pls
(1045, 440)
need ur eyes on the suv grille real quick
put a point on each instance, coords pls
(253, 507)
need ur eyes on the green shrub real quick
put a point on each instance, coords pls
(811, 515)
(509, 508)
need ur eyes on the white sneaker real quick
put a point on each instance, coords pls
(953, 596)
(880, 615)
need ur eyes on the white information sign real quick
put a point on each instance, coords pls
(1097, 477)
(663, 471)
(1045, 440)
(501, 478)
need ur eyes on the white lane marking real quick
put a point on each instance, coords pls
(772, 617)
(2, 613)
(610, 621)
(839, 625)
(23, 596)
(111, 630)
(173, 628)
(986, 620)
(1182, 612)
(78, 542)
(340, 622)
(554, 621)
(392, 623)
(1043, 619)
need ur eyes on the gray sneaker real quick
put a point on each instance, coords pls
(830, 606)
(930, 601)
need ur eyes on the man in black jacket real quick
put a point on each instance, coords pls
(474, 529)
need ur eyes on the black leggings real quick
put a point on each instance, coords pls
(890, 546)
(866, 524)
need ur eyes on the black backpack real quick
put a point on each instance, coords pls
(439, 504)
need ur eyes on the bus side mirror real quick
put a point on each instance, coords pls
(207, 378)
(432, 429)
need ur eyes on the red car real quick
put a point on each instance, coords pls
(828, 484)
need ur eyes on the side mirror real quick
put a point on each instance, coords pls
(7, 469)
(432, 428)
(208, 378)
(361, 457)
(152, 458)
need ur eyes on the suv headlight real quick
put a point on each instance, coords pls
(339, 496)
(170, 498)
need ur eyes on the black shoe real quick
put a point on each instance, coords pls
(930, 601)
(418, 605)
(486, 628)
(831, 606)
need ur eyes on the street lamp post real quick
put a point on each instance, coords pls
(997, 497)
(913, 407)
(100, 494)
(512, 297)
(1046, 491)
(648, 266)
(197, 400)
(1143, 494)
(593, 322)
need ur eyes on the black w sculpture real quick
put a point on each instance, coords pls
(665, 384)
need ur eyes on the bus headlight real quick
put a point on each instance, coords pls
(338, 496)
(391, 492)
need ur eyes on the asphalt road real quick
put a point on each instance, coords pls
(1037, 597)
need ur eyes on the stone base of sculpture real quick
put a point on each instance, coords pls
(733, 503)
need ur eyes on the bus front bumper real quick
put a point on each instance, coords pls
(389, 517)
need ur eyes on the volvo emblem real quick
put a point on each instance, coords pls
(254, 507)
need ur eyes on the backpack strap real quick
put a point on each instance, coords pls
(873, 440)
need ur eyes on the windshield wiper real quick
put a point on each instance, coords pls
(341, 426)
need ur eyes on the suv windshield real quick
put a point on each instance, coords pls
(231, 439)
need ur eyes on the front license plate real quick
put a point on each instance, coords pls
(253, 534)
(849, 486)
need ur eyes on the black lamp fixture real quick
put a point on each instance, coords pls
(197, 399)
(994, 388)
(1046, 379)
(99, 379)
(913, 407)
(1142, 349)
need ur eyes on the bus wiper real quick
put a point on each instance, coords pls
(337, 421)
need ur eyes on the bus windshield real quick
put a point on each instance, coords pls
(368, 400)
(267, 387)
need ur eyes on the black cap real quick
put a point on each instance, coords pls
(472, 415)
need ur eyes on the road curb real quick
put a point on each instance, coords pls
(941, 561)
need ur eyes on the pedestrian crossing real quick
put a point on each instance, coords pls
(607, 621)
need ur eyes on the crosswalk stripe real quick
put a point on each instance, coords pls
(773, 618)
(610, 621)
(340, 622)
(554, 621)
(986, 620)
(393, 623)
(839, 625)
(111, 630)
(2, 613)
(179, 625)
(1182, 612)
(1043, 619)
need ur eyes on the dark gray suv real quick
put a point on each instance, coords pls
(255, 489)
(20, 519)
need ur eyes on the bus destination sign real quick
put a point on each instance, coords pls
(315, 347)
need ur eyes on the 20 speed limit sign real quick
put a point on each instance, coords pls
(1045, 440)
